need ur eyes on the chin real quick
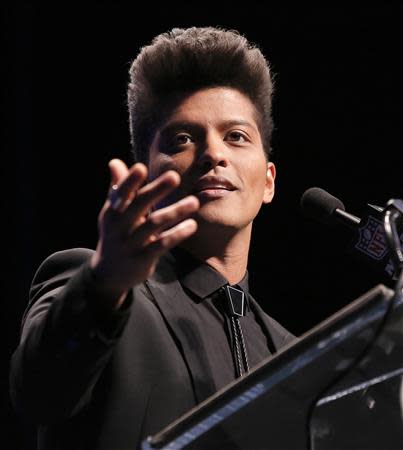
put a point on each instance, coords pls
(216, 220)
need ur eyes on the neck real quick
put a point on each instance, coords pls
(225, 252)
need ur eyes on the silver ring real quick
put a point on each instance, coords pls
(114, 197)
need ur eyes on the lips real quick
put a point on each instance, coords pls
(211, 183)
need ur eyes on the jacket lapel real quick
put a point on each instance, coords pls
(277, 336)
(177, 311)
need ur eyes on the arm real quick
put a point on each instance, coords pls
(80, 300)
(66, 339)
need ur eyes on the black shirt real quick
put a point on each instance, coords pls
(210, 315)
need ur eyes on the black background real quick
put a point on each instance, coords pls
(338, 113)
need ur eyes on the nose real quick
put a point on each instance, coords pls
(213, 154)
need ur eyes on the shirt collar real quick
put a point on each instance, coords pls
(199, 277)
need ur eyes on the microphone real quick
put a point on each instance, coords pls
(368, 240)
(324, 207)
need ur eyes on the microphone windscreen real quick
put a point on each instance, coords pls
(318, 204)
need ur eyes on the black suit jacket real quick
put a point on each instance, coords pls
(95, 381)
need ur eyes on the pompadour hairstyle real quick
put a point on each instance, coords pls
(183, 61)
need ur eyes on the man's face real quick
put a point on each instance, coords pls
(212, 140)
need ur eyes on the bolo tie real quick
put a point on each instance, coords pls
(236, 309)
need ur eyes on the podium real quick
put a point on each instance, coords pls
(337, 387)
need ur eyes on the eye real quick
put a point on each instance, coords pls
(175, 142)
(181, 139)
(236, 136)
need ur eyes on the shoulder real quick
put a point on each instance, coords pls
(63, 261)
(57, 268)
(66, 258)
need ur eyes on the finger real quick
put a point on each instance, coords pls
(162, 219)
(170, 238)
(118, 170)
(149, 195)
(128, 182)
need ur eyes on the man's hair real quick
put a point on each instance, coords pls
(183, 61)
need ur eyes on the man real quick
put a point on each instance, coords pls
(119, 342)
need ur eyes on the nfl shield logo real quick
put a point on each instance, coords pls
(372, 239)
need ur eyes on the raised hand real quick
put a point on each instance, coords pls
(132, 236)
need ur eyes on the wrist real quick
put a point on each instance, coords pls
(108, 292)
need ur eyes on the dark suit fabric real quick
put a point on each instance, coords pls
(92, 380)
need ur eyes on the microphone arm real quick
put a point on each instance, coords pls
(346, 218)
(393, 213)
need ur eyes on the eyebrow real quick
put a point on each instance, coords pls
(178, 125)
(234, 122)
(196, 127)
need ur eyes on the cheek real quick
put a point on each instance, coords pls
(159, 164)
(180, 162)
(256, 170)
(154, 164)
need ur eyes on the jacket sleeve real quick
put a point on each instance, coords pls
(66, 339)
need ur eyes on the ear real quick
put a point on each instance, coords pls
(269, 188)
